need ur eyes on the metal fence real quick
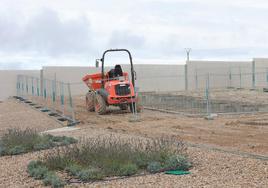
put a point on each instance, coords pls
(234, 92)
(213, 93)
(47, 95)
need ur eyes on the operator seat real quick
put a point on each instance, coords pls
(118, 71)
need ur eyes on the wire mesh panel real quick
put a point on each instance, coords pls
(229, 92)
(214, 95)
(262, 79)
(54, 96)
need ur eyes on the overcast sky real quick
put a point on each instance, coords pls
(75, 32)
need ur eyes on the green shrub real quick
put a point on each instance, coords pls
(58, 162)
(52, 179)
(183, 163)
(141, 160)
(56, 138)
(63, 140)
(38, 170)
(177, 163)
(90, 174)
(128, 169)
(17, 141)
(48, 178)
(111, 167)
(34, 164)
(73, 169)
(101, 157)
(69, 140)
(17, 137)
(154, 167)
(42, 146)
(16, 150)
(2, 150)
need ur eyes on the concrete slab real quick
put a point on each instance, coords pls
(63, 129)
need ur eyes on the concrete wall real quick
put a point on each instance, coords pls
(155, 77)
(149, 77)
(219, 74)
(8, 80)
(261, 71)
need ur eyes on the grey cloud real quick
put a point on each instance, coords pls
(10, 34)
(211, 29)
(12, 65)
(46, 34)
(126, 39)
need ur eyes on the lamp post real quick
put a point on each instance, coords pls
(188, 50)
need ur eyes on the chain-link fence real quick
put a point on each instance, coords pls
(213, 93)
(236, 91)
(47, 95)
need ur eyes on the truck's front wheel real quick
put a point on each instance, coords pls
(100, 105)
(90, 101)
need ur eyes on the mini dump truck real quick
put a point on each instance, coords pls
(111, 88)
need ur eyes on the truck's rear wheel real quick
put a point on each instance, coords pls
(100, 105)
(90, 101)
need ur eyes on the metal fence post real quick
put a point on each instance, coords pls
(186, 76)
(253, 75)
(18, 85)
(53, 94)
(45, 91)
(32, 80)
(240, 78)
(27, 86)
(207, 96)
(62, 96)
(230, 77)
(267, 77)
(37, 87)
(41, 82)
(71, 101)
(196, 80)
(22, 86)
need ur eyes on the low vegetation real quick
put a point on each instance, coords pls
(109, 156)
(39, 171)
(17, 141)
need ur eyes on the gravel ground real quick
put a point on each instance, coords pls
(13, 171)
(211, 168)
(14, 114)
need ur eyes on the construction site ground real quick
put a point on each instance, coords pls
(229, 151)
(247, 133)
(242, 95)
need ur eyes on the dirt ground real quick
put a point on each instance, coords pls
(236, 95)
(247, 133)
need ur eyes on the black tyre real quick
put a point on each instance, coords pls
(123, 106)
(100, 105)
(90, 97)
